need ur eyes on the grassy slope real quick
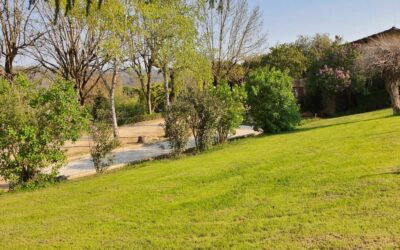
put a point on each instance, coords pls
(332, 183)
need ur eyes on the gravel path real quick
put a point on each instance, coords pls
(125, 156)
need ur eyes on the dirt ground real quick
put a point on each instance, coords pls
(152, 131)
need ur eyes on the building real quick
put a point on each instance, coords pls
(390, 33)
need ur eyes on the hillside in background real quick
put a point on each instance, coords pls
(330, 184)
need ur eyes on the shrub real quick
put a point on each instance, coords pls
(177, 126)
(334, 73)
(205, 117)
(232, 109)
(211, 115)
(272, 104)
(200, 112)
(35, 123)
(103, 144)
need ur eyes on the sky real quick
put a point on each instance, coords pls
(284, 20)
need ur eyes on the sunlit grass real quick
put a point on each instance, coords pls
(332, 183)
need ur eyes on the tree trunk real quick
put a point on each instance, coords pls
(112, 104)
(8, 67)
(148, 92)
(166, 88)
(329, 104)
(81, 97)
(172, 84)
(148, 98)
(394, 91)
(114, 116)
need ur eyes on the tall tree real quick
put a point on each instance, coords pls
(17, 31)
(114, 20)
(232, 34)
(382, 57)
(159, 29)
(69, 47)
(177, 41)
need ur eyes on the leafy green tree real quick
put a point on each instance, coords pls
(232, 102)
(286, 57)
(113, 19)
(35, 123)
(272, 104)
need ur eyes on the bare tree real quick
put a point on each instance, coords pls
(17, 31)
(382, 56)
(232, 34)
(69, 48)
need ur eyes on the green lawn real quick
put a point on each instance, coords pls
(331, 184)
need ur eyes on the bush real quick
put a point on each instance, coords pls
(103, 144)
(272, 104)
(200, 112)
(232, 109)
(211, 115)
(204, 118)
(35, 123)
(177, 126)
(334, 73)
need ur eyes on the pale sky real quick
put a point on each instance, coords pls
(284, 20)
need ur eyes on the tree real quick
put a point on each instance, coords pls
(17, 31)
(232, 34)
(160, 32)
(286, 57)
(272, 104)
(177, 40)
(69, 47)
(35, 123)
(333, 71)
(142, 44)
(70, 4)
(113, 19)
(232, 102)
(382, 58)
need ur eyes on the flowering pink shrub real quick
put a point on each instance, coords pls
(334, 79)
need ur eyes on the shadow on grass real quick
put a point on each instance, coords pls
(396, 171)
(300, 129)
(341, 123)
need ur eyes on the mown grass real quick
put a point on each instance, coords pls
(333, 183)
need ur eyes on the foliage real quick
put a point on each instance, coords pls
(333, 70)
(286, 57)
(272, 104)
(35, 123)
(103, 144)
(324, 186)
(206, 119)
(211, 115)
(203, 112)
(232, 102)
(100, 109)
(177, 126)
(381, 58)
